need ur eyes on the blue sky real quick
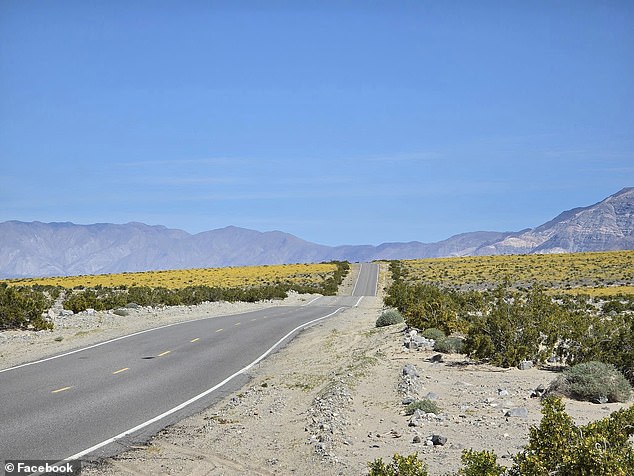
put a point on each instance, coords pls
(340, 122)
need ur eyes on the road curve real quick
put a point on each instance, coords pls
(99, 400)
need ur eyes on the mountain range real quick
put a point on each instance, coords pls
(60, 249)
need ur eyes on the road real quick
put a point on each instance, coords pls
(101, 399)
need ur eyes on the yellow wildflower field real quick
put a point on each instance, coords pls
(246, 276)
(604, 270)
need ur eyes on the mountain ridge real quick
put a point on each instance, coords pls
(63, 248)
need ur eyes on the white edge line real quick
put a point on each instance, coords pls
(311, 301)
(359, 301)
(197, 397)
(376, 283)
(357, 281)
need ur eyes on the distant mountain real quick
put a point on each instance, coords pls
(604, 226)
(59, 249)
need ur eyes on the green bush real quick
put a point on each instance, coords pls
(425, 405)
(400, 466)
(449, 345)
(433, 333)
(389, 318)
(559, 447)
(480, 463)
(515, 328)
(594, 382)
(22, 308)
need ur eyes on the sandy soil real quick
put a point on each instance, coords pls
(329, 402)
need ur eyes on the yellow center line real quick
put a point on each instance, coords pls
(195, 340)
(164, 353)
(220, 330)
(120, 370)
(61, 389)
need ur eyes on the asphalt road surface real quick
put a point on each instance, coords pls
(100, 400)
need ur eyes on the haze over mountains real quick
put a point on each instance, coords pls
(59, 249)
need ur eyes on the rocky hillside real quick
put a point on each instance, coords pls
(49, 249)
(607, 225)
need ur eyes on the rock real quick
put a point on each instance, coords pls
(66, 312)
(538, 392)
(437, 358)
(502, 392)
(517, 412)
(600, 400)
(417, 418)
(416, 439)
(432, 396)
(438, 440)
(525, 365)
(408, 400)
(410, 371)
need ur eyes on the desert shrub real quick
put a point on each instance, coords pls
(433, 333)
(558, 446)
(389, 318)
(400, 466)
(512, 331)
(618, 348)
(592, 381)
(22, 308)
(480, 463)
(449, 345)
(425, 405)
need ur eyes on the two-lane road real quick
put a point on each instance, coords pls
(97, 400)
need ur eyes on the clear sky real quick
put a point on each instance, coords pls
(341, 122)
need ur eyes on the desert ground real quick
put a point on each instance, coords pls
(326, 404)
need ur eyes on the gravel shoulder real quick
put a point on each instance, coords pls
(328, 403)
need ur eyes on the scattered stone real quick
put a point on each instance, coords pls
(431, 396)
(408, 400)
(502, 392)
(437, 358)
(417, 418)
(414, 341)
(538, 392)
(438, 440)
(521, 412)
(525, 365)
(410, 371)
(416, 439)
(600, 400)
